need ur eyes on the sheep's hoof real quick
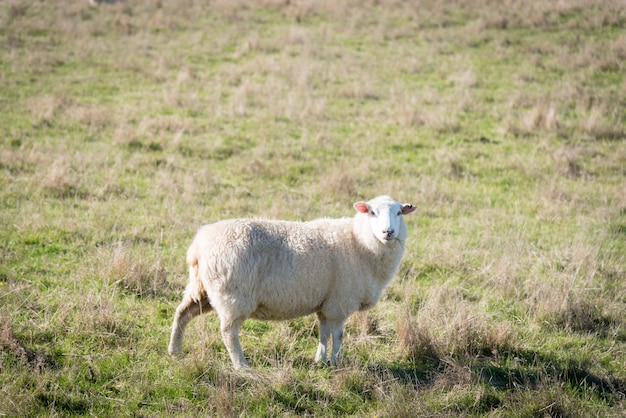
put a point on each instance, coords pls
(174, 352)
(322, 364)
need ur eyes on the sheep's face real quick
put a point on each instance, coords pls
(385, 216)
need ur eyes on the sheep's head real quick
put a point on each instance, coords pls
(385, 216)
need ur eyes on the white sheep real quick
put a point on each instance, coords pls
(273, 270)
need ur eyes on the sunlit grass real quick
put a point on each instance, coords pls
(125, 126)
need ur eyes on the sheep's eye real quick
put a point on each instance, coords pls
(399, 213)
(373, 213)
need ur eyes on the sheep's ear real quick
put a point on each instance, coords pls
(361, 207)
(408, 208)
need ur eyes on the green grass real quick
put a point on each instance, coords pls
(124, 127)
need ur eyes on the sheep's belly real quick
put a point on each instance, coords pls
(267, 314)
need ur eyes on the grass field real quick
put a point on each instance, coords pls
(125, 126)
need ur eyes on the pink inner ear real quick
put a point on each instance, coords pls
(408, 208)
(361, 207)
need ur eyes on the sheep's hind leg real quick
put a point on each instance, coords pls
(230, 335)
(186, 311)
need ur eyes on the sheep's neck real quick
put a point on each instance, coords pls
(382, 259)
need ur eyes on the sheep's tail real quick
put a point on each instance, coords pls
(195, 289)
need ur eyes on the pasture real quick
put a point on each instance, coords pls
(124, 126)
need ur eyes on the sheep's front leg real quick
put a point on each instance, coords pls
(186, 311)
(327, 329)
(337, 332)
(230, 335)
(324, 334)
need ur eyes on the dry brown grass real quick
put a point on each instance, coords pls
(447, 325)
(10, 344)
(136, 273)
(568, 295)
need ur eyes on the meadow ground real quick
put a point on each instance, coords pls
(124, 126)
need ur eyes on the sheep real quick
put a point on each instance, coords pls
(277, 270)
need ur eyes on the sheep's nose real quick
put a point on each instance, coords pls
(388, 232)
